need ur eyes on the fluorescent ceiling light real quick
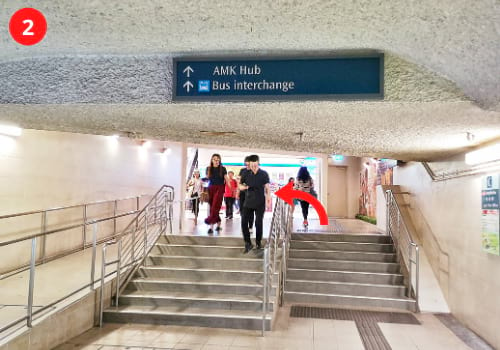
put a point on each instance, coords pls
(483, 155)
(10, 130)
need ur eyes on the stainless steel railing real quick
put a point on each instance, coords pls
(81, 221)
(160, 214)
(278, 234)
(407, 250)
(136, 241)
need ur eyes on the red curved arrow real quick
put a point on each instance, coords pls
(287, 193)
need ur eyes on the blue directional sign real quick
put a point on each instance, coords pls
(278, 78)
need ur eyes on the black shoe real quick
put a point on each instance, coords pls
(210, 231)
(259, 246)
(218, 228)
(248, 247)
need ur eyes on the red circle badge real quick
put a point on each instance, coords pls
(28, 26)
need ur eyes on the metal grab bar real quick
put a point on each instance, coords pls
(279, 231)
(44, 233)
(139, 236)
(166, 214)
(407, 250)
(69, 207)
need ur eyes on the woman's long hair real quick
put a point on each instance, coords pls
(209, 173)
(303, 174)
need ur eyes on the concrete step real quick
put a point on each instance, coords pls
(345, 276)
(196, 300)
(208, 262)
(401, 303)
(212, 287)
(342, 255)
(344, 265)
(334, 237)
(200, 274)
(180, 315)
(348, 246)
(345, 288)
(204, 240)
(205, 250)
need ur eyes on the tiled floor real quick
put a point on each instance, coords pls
(289, 333)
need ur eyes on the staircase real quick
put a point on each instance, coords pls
(196, 281)
(357, 270)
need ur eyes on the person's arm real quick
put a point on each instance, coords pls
(267, 191)
(228, 182)
(237, 195)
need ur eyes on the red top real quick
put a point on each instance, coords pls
(232, 192)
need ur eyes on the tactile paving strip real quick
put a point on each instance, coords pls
(366, 322)
(466, 335)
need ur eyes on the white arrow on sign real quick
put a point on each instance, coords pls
(188, 85)
(188, 70)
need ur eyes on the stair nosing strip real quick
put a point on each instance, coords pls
(166, 268)
(353, 296)
(348, 271)
(349, 283)
(347, 261)
(202, 257)
(163, 296)
(149, 280)
(340, 242)
(340, 251)
(173, 313)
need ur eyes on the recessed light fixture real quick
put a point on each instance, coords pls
(10, 130)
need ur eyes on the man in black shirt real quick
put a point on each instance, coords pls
(241, 197)
(256, 182)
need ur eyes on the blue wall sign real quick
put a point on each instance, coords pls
(263, 79)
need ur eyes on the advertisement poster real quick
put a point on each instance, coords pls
(490, 214)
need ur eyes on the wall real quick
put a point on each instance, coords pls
(448, 217)
(41, 169)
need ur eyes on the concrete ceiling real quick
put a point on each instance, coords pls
(106, 66)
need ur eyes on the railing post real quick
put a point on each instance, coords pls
(171, 215)
(103, 275)
(417, 253)
(145, 234)
(114, 217)
(84, 233)
(94, 248)
(387, 213)
(264, 300)
(118, 271)
(31, 282)
(409, 270)
(44, 237)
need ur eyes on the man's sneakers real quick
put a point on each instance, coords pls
(248, 247)
(259, 246)
(305, 223)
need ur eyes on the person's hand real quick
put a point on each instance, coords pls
(269, 203)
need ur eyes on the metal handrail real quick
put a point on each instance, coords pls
(278, 232)
(404, 243)
(68, 207)
(44, 233)
(30, 313)
(142, 238)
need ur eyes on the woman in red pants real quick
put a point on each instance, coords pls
(217, 174)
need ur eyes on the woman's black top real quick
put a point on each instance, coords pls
(216, 175)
